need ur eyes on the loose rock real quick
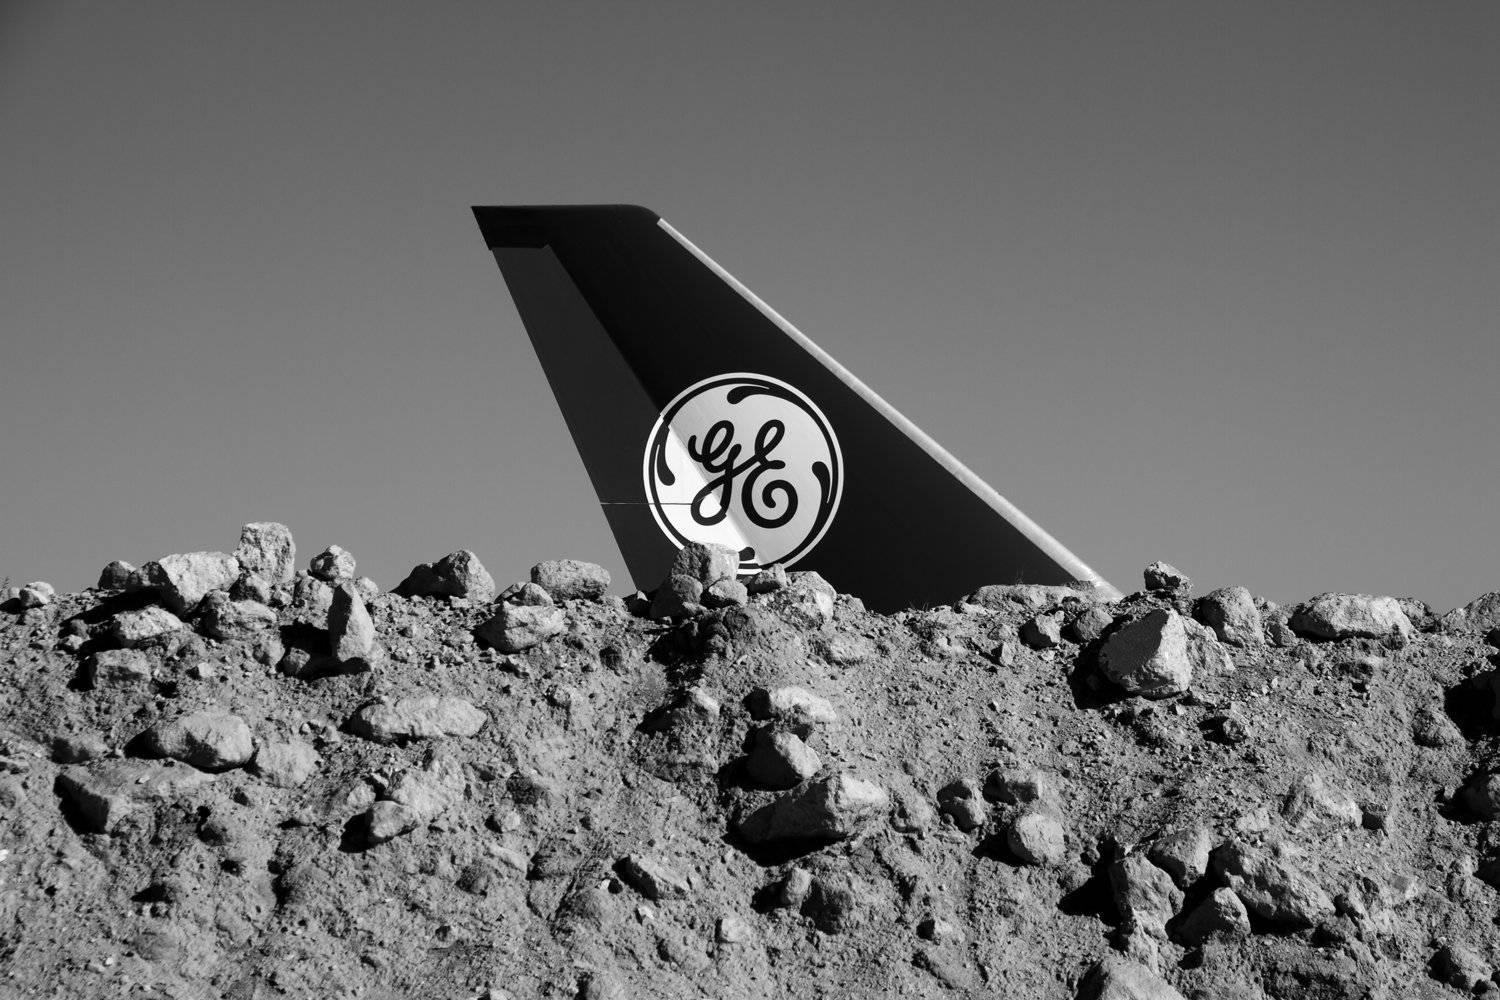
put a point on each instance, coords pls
(767, 581)
(1270, 889)
(1163, 577)
(518, 627)
(210, 740)
(114, 667)
(1042, 631)
(285, 764)
(351, 633)
(780, 760)
(117, 575)
(1038, 838)
(961, 801)
(1183, 854)
(419, 718)
(267, 550)
(726, 593)
(222, 618)
(458, 574)
(37, 594)
(185, 579)
(333, 564)
(1220, 914)
(1150, 656)
(104, 794)
(791, 706)
(571, 579)
(1349, 616)
(652, 878)
(137, 628)
(1121, 979)
(1232, 614)
(831, 808)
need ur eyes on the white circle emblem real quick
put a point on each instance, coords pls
(746, 461)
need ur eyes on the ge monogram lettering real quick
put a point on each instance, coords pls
(747, 461)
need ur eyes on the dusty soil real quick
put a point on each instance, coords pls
(968, 803)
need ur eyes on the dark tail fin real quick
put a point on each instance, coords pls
(702, 415)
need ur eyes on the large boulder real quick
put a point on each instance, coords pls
(1351, 616)
(266, 550)
(184, 579)
(458, 574)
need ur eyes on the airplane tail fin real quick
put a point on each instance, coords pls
(703, 415)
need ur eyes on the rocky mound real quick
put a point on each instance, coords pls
(221, 776)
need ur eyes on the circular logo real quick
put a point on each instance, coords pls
(746, 461)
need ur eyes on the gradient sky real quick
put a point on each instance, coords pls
(1212, 283)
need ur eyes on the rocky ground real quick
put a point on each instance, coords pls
(223, 776)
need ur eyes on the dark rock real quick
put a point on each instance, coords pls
(116, 576)
(779, 759)
(961, 801)
(1163, 577)
(1221, 914)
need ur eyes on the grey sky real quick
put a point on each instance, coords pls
(1213, 283)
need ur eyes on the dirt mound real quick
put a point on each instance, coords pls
(219, 777)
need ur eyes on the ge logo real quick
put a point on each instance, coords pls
(745, 461)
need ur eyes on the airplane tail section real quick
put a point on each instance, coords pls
(703, 415)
